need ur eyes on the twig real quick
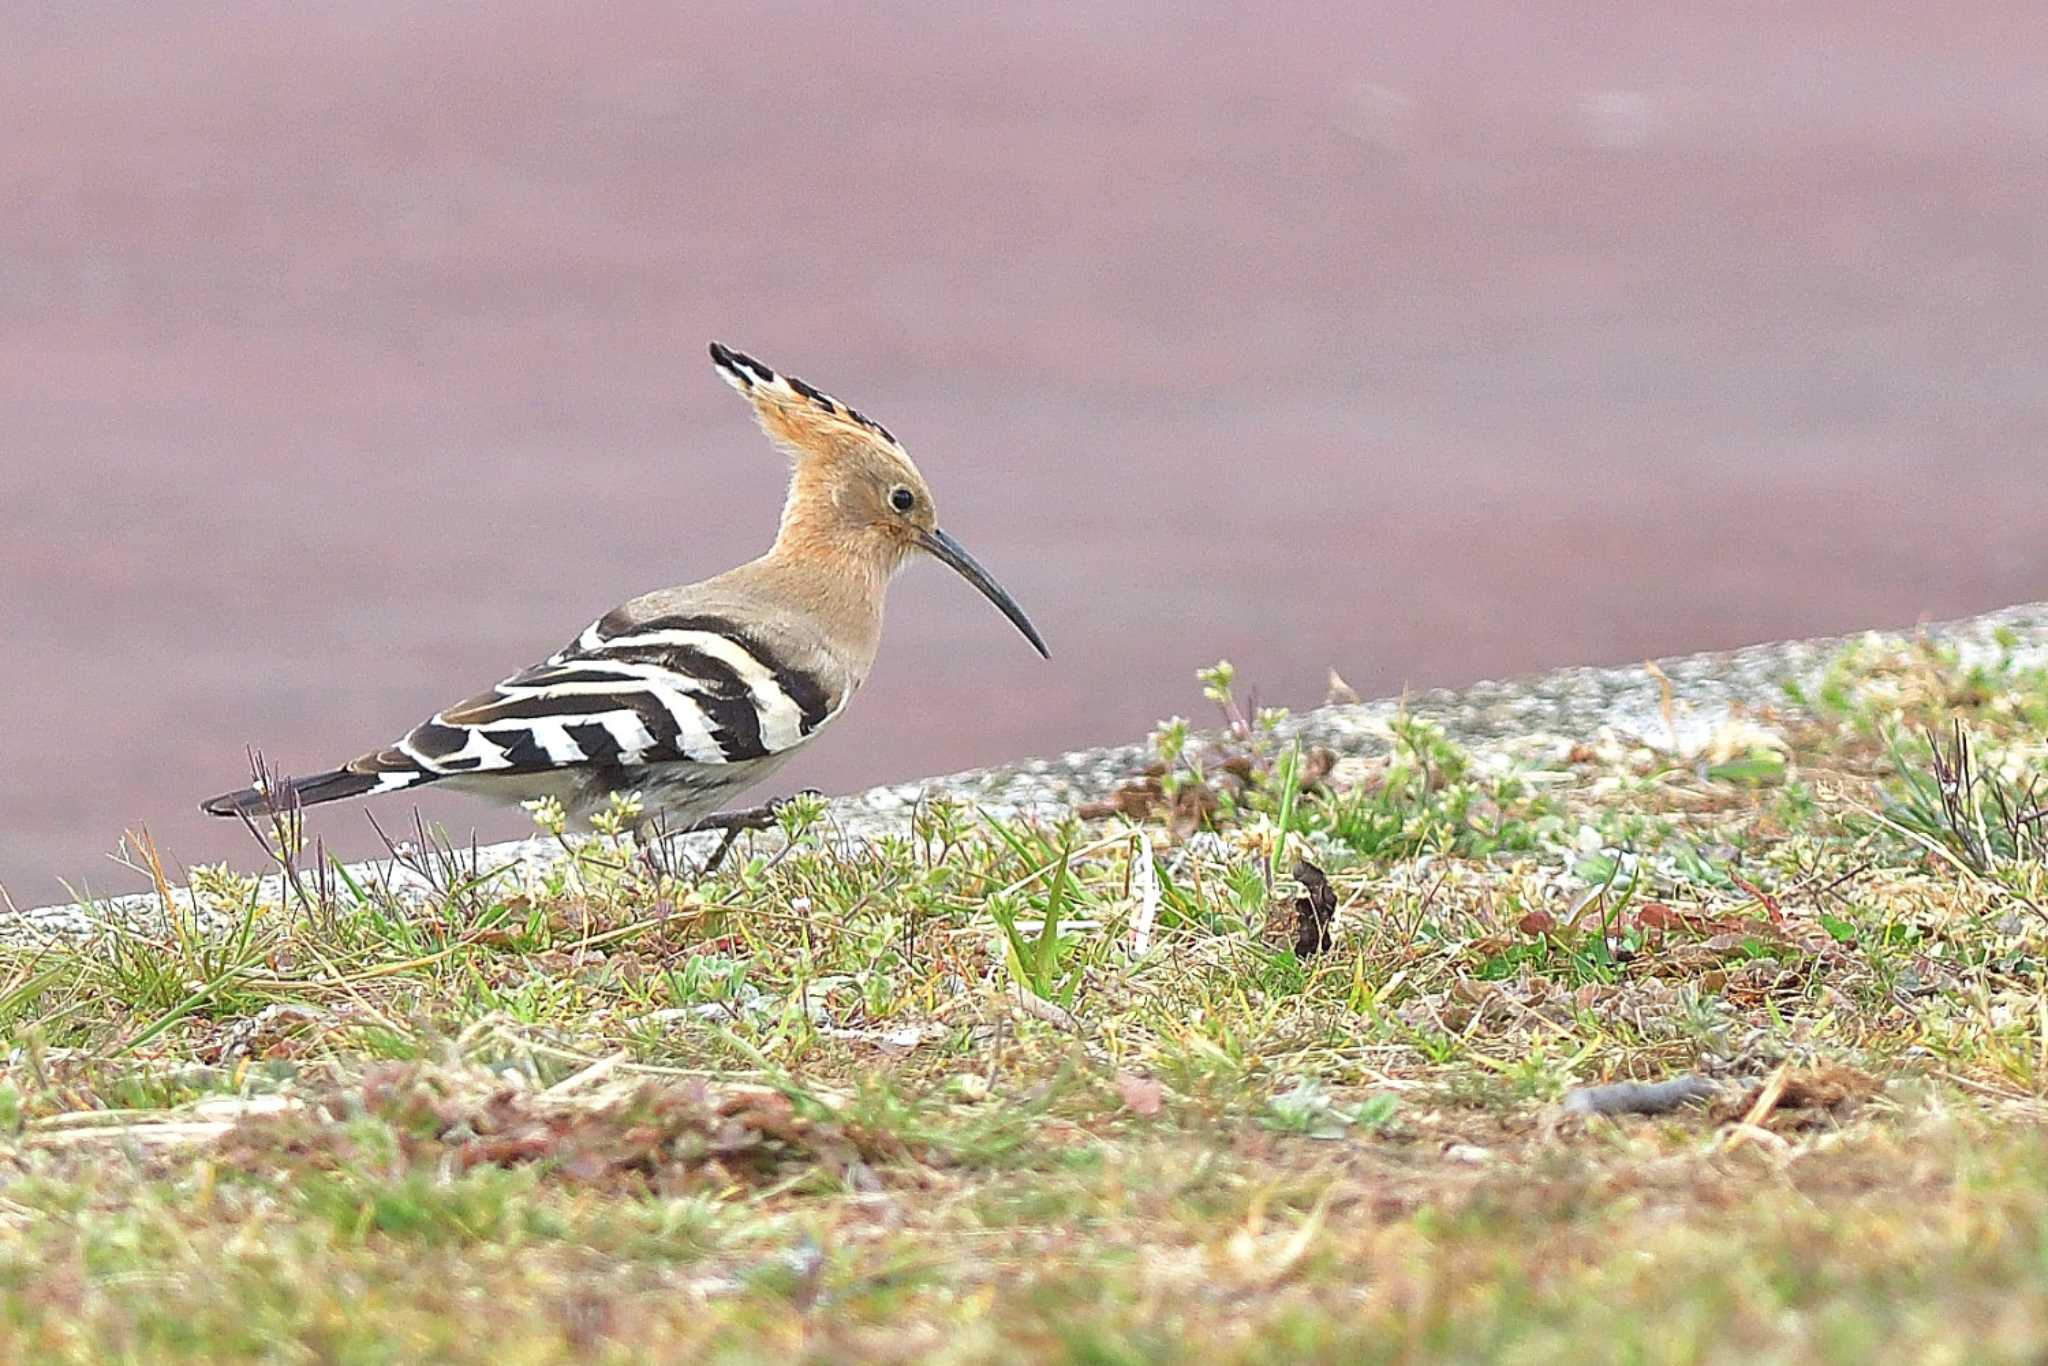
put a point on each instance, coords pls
(1145, 886)
(1041, 1009)
(589, 1076)
(1752, 1124)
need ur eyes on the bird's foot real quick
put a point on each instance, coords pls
(762, 817)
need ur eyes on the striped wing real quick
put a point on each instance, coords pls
(693, 689)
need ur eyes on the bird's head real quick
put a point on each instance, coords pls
(854, 492)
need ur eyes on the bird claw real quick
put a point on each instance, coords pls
(762, 817)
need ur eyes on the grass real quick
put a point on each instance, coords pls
(991, 1090)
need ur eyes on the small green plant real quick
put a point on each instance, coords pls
(1430, 798)
(1041, 962)
(619, 819)
(799, 814)
(1306, 1108)
(547, 815)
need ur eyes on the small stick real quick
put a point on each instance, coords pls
(1751, 1125)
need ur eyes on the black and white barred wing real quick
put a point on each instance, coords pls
(693, 690)
(672, 689)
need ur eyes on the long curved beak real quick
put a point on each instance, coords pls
(944, 547)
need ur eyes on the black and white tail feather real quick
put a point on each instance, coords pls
(688, 708)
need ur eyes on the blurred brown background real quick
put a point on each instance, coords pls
(351, 354)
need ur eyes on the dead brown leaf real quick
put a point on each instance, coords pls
(1313, 911)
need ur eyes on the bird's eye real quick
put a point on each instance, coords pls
(902, 499)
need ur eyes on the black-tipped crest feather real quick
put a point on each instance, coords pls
(748, 375)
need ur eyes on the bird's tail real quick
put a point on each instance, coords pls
(332, 786)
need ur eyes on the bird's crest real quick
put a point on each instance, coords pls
(800, 419)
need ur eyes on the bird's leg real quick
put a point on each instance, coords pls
(762, 817)
(656, 833)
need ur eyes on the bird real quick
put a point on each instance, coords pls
(685, 697)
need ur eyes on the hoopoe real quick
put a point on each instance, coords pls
(687, 696)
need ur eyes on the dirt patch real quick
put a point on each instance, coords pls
(663, 1137)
